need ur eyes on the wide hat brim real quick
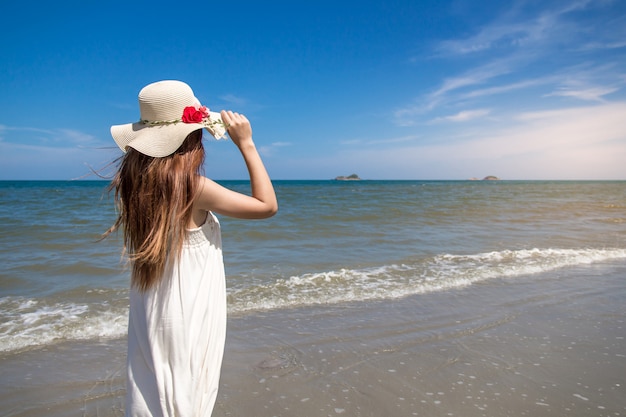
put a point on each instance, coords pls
(162, 140)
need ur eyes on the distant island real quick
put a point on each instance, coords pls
(352, 177)
(487, 178)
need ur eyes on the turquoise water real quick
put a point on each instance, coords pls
(331, 242)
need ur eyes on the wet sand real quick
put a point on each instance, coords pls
(549, 345)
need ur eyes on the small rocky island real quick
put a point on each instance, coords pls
(487, 178)
(352, 177)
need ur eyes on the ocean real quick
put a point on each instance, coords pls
(333, 245)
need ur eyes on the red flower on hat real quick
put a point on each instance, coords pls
(194, 115)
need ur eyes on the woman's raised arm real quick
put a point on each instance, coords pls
(214, 197)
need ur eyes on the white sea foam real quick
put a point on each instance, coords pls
(438, 273)
(27, 322)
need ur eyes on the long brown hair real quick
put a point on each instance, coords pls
(154, 198)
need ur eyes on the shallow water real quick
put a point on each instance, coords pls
(332, 242)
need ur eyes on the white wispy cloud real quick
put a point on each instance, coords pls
(513, 30)
(269, 150)
(281, 144)
(463, 116)
(234, 99)
(506, 88)
(501, 34)
(384, 141)
(406, 115)
(588, 94)
(604, 45)
(472, 77)
(29, 160)
(57, 137)
(588, 81)
(76, 137)
(4, 129)
(236, 103)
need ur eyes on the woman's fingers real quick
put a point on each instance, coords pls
(237, 125)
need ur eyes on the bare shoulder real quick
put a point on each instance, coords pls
(205, 184)
(211, 196)
(207, 190)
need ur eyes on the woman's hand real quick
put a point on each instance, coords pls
(238, 128)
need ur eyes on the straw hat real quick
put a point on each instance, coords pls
(169, 111)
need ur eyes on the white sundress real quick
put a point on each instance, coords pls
(176, 333)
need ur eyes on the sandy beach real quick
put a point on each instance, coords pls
(538, 346)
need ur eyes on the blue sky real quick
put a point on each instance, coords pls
(388, 90)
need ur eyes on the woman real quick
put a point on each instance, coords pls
(177, 321)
